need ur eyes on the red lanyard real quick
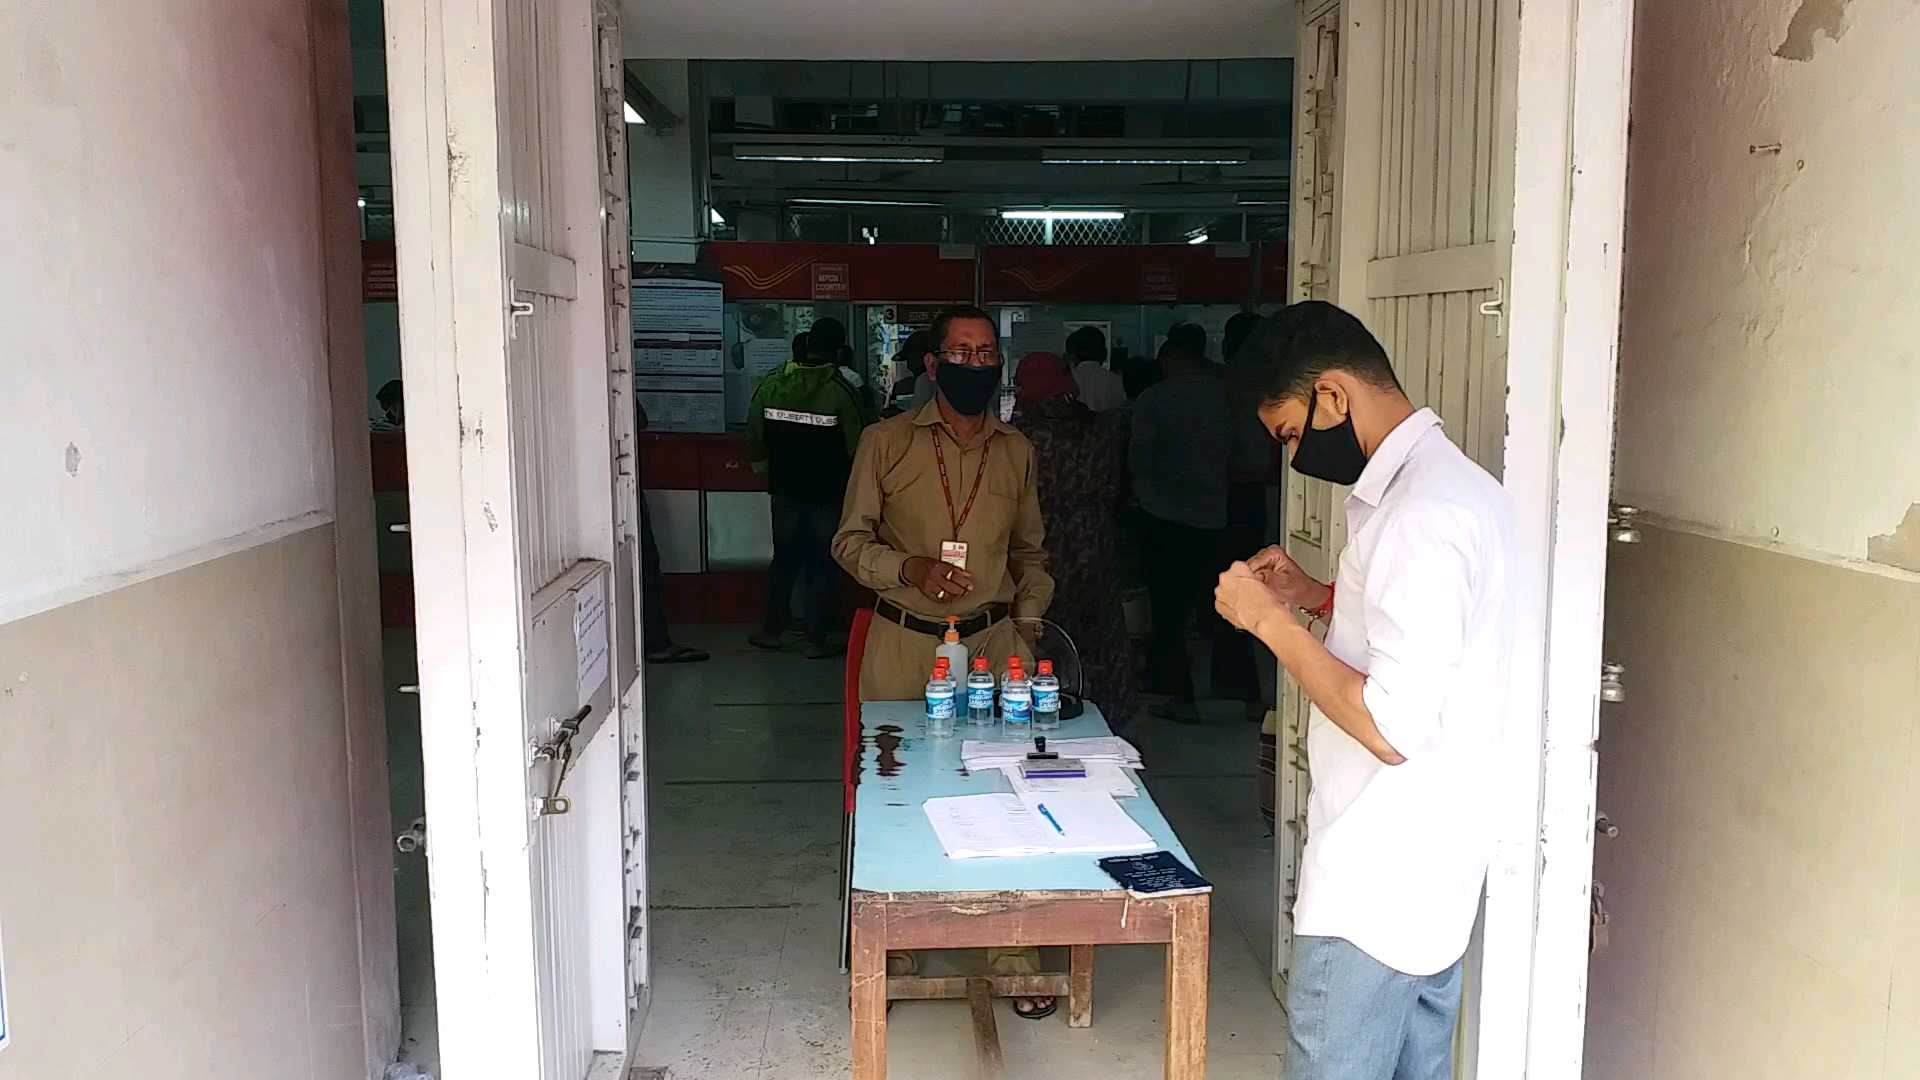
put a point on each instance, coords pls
(940, 458)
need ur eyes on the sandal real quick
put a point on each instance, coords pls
(1033, 1011)
(677, 654)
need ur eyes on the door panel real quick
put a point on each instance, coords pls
(522, 530)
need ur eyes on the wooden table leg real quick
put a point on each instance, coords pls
(986, 1033)
(869, 988)
(1080, 986)
(1187, 990)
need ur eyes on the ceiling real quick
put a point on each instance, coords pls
(945, 30)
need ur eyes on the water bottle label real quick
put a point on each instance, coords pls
(980, 697)
(1046, 701)
(940, 708)
(1017, 710)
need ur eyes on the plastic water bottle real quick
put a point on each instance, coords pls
(1016, 700)
(940, 703)
(980, 694)
(1046, 698)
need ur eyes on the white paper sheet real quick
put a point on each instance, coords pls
(1058, 823)
(592, 653)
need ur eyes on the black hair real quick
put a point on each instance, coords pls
(1188, 339)
(1288, 352)
(1235, 334)
(824, 340)
(389, 394)
(913, 352)
(1138, 375)
(800, 345)
(1087, 344)
(937, 335)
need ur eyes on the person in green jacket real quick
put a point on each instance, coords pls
(802, 428)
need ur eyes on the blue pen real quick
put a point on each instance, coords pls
(1051, 820)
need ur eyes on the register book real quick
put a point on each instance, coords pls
(1054, 823)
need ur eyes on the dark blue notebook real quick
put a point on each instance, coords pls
(1156, 873)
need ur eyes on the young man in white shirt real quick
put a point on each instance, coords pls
(1407, 694)
(1100, 387)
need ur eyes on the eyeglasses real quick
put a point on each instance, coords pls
(988, 357)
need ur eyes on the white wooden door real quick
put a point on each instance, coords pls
(521, 495)
(1492, 278)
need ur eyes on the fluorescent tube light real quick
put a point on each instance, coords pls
(864, 202)
(1063, 215)
(843, 155)
(714, 216)
(1198, 238)
(633, 114)
(1146, 156)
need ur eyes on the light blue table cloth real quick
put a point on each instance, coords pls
(895, 849)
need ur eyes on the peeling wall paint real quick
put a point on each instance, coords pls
(1812, 19)
(1901, 547)
(1770, 350)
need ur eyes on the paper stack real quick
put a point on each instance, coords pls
(977, 754)
(987, 826)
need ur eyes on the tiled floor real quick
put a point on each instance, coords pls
(743, 752)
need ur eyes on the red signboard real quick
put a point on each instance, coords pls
(832, 281)
(1159, 283)
(925, 273)
(1120, 274)
(379, 271)
(933, 275)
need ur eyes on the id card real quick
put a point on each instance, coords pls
(954, 553)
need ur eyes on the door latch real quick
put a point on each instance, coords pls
(516, 309)
(1597, 932)
(1495, 308)
(1603, 825)
(559, 751)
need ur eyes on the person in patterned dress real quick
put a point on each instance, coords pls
(1081, 462)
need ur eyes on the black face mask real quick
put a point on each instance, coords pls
(968, 389)
(1331, 454)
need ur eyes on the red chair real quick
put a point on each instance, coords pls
(850, 746)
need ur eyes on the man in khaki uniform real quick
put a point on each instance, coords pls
(949, 478)
(942, 518)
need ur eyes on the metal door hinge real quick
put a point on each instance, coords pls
(414, 839)
(1597, 933)
(1611, 688)
(1622, 523)
(1496, 308)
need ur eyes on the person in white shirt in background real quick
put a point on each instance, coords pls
(1101, 388)
(1408, 694)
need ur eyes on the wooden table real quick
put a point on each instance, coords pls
(908, 895)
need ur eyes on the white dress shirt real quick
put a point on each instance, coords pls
(1100, 389)
(1397, 854)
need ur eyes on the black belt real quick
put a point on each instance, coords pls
(969, 626)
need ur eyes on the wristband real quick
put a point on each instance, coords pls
(1325, 610)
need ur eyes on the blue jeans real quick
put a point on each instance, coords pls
(1350, 1017)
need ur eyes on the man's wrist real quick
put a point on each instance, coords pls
(906, 568)
(1277, 630)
